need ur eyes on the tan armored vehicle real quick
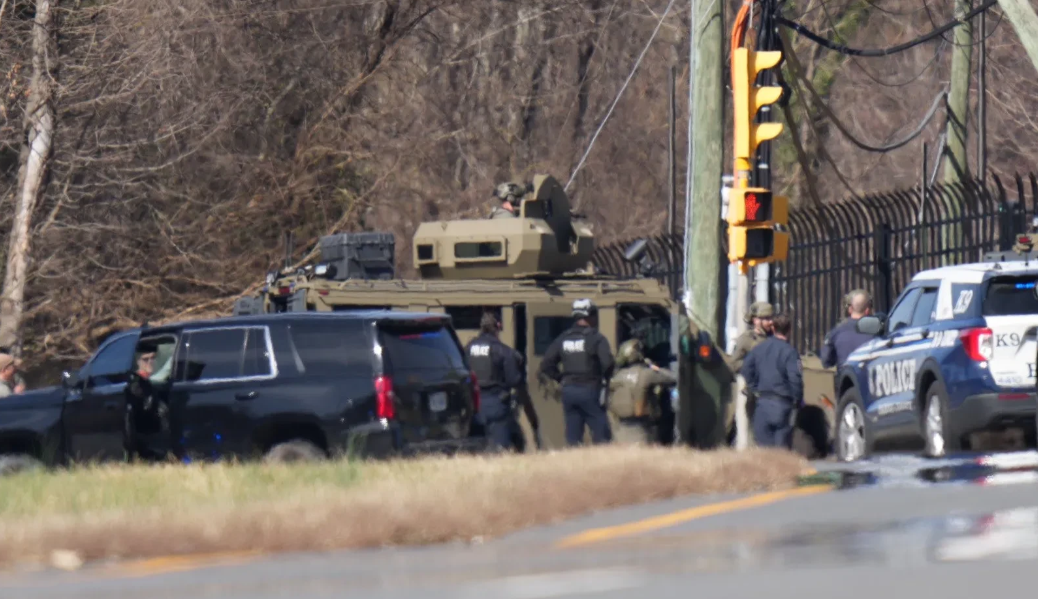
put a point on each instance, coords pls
(526, 270)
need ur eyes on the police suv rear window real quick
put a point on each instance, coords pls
(1010, 296)
(417, 347)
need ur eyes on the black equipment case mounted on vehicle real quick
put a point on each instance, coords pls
(357, 256)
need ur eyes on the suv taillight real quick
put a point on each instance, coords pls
(979, 344)
(384, 407)
(476, 397)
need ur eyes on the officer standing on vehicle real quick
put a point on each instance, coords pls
(587, 361)
(845, 338)
(631, 398)
(510, 195)
(775, 375)
(498, 372)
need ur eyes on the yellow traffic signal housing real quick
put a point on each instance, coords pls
(749, 99)
(754, 217)
(757, 245)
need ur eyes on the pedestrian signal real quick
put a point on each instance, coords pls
(756, 226)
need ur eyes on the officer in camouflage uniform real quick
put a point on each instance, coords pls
(510, 195)
(631, 398)
(759, 316)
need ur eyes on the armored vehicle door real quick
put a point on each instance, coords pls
(544, 323)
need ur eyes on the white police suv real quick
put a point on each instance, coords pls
(955, 356)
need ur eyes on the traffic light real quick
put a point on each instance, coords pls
(749, 99)
(754, 217)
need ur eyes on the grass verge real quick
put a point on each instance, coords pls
(136, 512)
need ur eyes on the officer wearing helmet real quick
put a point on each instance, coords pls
(632, 401)
(498, 372)
(510, 195)
(759, 316)
(587, 362)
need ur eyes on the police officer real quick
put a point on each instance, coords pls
(632, 401)
(510, 194)
(760, 315)
(845, 338)
(587, 361)
(775, 375)
(498, 372)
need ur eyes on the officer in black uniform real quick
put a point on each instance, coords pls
(587, 362)
(498, 371)
(773, 372)
(845, 338)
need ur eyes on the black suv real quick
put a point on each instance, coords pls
(284, 386)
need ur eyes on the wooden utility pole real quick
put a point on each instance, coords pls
(1021, 14)
(955, 166)
(671, 149)
(39, 135)
(705, 249)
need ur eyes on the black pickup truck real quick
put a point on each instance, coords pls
(278, 386)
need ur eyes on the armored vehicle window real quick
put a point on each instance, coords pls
(214, 354)
(473, 249)
(649, 323)
(425, 251)
(546, 329)
(1010, 296)
(339, 349)
(468, 317)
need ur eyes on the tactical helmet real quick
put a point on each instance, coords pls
(583, 308)
(630, 352)
(509, 192)
(760, 310)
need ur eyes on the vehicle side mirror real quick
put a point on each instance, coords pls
(869, 325)
(69, 380)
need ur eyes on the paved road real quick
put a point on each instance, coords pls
(892, 531)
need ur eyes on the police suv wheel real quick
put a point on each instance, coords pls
(853, 439)
(296, 450)
(936, 433)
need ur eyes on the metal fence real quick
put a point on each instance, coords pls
(877, 242)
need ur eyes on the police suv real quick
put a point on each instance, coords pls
(955, 356)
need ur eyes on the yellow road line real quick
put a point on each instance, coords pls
(180, 563)
(674, 518)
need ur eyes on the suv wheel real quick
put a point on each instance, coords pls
(853, 440)
(296, 450)
(936, 432)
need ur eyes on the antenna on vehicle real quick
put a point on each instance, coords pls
(289, 238)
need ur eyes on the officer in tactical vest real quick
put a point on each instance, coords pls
(510, 195)
(587, 361)
(498, 372)
(759, 316)
(631, 397)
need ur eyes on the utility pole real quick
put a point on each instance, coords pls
(704, 251)
(671, 158)
(956, 169)
(982, 102)
(1021, 14)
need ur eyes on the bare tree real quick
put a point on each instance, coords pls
(39, 132)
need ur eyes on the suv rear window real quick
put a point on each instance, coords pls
(420, 347)
(1010, 297)
(337, 349)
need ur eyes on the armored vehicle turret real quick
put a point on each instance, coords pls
(544, 240)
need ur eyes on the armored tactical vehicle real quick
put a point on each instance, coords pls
(526, 270)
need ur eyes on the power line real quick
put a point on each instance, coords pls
(929, 15)
(804, 31)
(619, 94)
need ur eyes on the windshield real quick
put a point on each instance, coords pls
(420, 348)
(1011, 297)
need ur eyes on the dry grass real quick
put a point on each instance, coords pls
(134, 512)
